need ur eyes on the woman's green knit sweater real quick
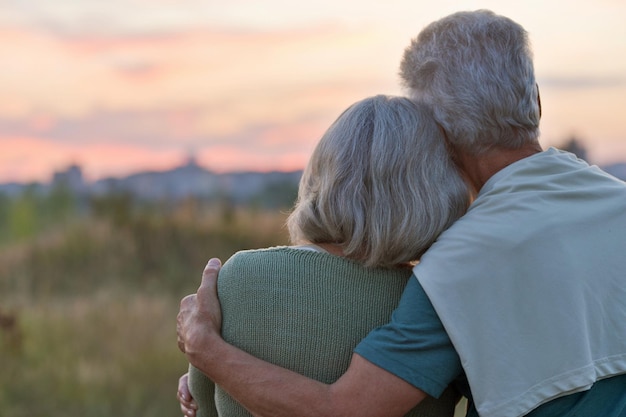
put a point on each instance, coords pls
(305, 311)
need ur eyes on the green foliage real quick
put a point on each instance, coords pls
(133, 247)
(22, 217)
(88, 303)
(32, 212)
(275, 195)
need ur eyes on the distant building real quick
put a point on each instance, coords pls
(70, 178)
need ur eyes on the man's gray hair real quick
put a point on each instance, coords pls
(475, 70)
(380, 183)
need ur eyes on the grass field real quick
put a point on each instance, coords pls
(88, 306)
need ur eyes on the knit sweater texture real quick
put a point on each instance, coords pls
(305, 311)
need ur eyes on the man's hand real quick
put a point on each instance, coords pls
(200, 315)
(187, 405)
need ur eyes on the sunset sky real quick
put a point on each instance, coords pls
(119, 86)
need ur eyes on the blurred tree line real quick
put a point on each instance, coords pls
(31, 212)
(152, 242)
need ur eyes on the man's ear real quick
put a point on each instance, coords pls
(538, 100)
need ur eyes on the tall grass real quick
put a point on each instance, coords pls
(103, 355)
(88, 308)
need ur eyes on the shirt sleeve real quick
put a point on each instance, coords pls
(414, 345)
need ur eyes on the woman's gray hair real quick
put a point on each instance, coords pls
(380, 184)
(475, 70)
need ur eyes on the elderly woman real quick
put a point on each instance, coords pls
(376, 193)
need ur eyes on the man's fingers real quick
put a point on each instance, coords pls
(187, 404)
(209, 279)
(183, 388)
(199, 311)
(211, 270)
(186, 304)
(184, 395)
(188, 409)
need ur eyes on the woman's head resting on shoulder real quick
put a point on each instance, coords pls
(380, 184)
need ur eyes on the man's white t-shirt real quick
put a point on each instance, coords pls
(530, 284)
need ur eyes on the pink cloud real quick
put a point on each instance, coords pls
(34, 159)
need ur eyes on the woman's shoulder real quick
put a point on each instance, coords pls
(304, 266)
(243, 257)
(290, 257)
(274, 258)
(277, 259)
(288, 253)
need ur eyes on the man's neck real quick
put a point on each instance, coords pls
(479, 168)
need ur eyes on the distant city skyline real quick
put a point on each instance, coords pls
(188, 180)
(130, 85)
(73, 172)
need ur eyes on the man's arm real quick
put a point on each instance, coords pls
(268, 390)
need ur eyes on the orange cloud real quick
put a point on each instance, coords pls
(72, 76)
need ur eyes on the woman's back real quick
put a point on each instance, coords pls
(306, 311)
